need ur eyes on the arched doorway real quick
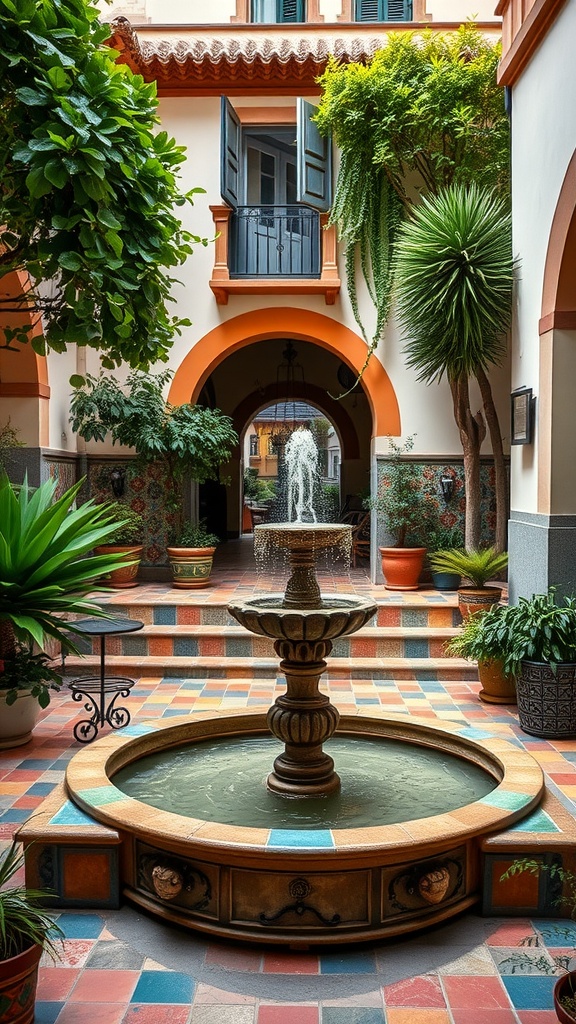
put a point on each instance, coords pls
(237, 363)
(24, 389)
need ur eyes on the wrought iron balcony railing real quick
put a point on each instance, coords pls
(275, 241)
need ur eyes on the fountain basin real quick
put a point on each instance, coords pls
(293, 886)
(335, 618)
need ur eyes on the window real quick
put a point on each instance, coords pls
(383, 10)
(277, 180)
(254, 445)
(270, 12)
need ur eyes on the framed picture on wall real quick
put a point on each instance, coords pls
(522, 419)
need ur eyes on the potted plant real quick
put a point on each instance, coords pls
(26, 930)
(126, 540)
(541, 653)
(46, 573)
(26, 680)
(441, 539)
(564, 993)
(191, 555)
(485, 638)
(477, 566)
(186, 442)
(407, 514)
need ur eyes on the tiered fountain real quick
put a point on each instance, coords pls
(209, 843)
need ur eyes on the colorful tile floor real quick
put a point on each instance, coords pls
(122, 967)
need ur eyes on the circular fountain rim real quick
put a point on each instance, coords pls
(90, 772)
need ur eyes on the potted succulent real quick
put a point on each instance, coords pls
(541, 653)
(485, 638)
(26, 931)
(26, 680)
(477, 565)
(408, 516)
(191, 555)
(126, 540)
(46, 573)
(441, 539)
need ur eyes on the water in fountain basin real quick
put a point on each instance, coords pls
(224, 781)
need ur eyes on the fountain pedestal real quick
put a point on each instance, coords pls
(303, 719)
(303, 624)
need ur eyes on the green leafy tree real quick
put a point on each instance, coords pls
(88, 188)
(454, 276)
(186, 440)
(426, 111)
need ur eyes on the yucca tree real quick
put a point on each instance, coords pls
(454, 276)
(45, 569)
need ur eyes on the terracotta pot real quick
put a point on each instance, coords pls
(547, 699)
(402, 567)
(565, 986)
(191, 567)
(17, 720)
(125, 576)
(497, 688)
(477, 599)
(18, 979)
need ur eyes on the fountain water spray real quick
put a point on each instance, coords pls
(301, 456)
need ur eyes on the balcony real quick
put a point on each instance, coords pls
(273, 250)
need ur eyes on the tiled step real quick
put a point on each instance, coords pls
(267, 668)
(171, 610)
(235, 641)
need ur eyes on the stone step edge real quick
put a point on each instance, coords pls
(368, 632)
(205, 599)
(81, 665)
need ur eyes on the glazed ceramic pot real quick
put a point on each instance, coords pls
(446, 580)
(191, 567)
(547, 699)
(477, 599)
(565, 987)
(18, 980)
(124, 576)
(402, 567)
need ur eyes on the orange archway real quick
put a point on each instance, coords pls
(559, 289)
(23, 373)
(283, 322)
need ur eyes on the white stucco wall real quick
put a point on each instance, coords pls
(543, 142)
(195, 123)
(198, 12)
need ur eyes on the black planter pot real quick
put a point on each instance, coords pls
(547, 699)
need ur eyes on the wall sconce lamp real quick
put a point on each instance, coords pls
(447, 488)
(117, 481)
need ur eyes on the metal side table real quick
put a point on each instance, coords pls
(95, 690)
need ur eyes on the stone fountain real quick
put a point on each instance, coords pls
(303, 626)
(180, 809)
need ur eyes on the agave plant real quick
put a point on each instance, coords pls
(476, 564)
(45, 569)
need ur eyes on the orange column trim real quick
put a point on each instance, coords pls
(558, 291)
(283, 322)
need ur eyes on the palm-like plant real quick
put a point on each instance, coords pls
(454, 276)
(478, 566)
(45, 569)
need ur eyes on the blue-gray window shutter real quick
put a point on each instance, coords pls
(314, 186)
(383, 10)
(290, 10)
(231, 149)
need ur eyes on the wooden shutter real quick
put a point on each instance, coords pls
(290, 10)
(368, 10)
(230, 151)
(398, 10)
(383, 10)
(314, 167)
